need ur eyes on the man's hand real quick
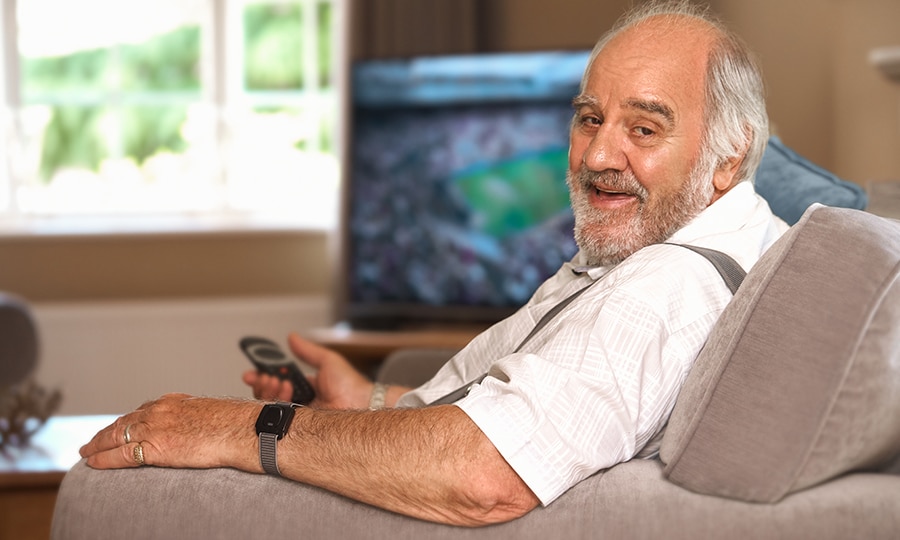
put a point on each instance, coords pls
(180, 431)
(337, 383)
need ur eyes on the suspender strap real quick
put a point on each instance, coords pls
(731, 272)
(554, 311)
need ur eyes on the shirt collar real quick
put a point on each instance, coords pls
(579, 267)
(731, 212)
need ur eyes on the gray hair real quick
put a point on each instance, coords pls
(735, 104)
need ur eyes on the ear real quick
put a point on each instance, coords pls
(726, 174)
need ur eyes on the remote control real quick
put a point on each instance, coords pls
(268, 357)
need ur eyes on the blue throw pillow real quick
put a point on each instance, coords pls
(790, 183)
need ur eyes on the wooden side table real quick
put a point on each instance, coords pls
(30, 476)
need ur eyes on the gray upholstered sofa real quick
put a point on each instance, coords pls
(788, 427)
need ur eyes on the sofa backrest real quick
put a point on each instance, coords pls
(800, 379)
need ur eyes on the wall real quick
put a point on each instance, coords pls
(825, 99)
(795, 54)
(866, 105)
(142, 266)
(538, 24)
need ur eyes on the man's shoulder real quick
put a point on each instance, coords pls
(679, 286)
(666, 262)
(740, 224)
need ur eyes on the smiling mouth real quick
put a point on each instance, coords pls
(609, 189)
(612, 193)
(612, 199)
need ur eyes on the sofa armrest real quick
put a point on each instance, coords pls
(631, 500)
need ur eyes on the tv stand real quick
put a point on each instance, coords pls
(365, 349)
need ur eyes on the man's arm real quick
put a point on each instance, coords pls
(432, 463)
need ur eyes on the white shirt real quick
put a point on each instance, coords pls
(596, 384)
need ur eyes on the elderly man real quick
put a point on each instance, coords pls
(669, 127)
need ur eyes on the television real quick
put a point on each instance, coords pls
(455, 204)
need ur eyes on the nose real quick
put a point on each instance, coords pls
(605, 150)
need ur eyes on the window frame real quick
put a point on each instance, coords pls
(222, 88)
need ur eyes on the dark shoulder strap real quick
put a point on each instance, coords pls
(553, 313)
(732, 273)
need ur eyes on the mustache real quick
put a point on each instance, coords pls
(610, 180)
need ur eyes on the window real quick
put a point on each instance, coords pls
(117, 109)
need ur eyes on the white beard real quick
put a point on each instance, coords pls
(606, 238)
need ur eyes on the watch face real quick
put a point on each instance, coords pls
(274, 419)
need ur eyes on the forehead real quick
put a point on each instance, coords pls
(660, 60)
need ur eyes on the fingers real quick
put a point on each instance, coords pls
(283, 390)
(122, 457)
(308, 351)
(109, 437)
(115, 440)
(114, 446)
(338, 384)
(268, 387)
(250, 376)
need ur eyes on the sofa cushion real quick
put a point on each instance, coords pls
(800, 379)
(790, 184)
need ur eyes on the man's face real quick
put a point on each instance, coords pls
(634, 173)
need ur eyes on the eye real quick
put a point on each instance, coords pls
(588, 121)
(644, 131)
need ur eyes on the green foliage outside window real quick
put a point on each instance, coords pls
(166, 62)
(274, 48)
(77, 134)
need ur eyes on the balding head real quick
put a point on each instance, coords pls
(734, 107)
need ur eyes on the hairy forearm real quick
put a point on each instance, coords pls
(431, 463)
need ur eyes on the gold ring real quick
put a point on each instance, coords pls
(139, 454)
(127, 434)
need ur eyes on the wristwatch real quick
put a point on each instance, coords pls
(271, 425)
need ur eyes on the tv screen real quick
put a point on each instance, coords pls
(456, 205)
